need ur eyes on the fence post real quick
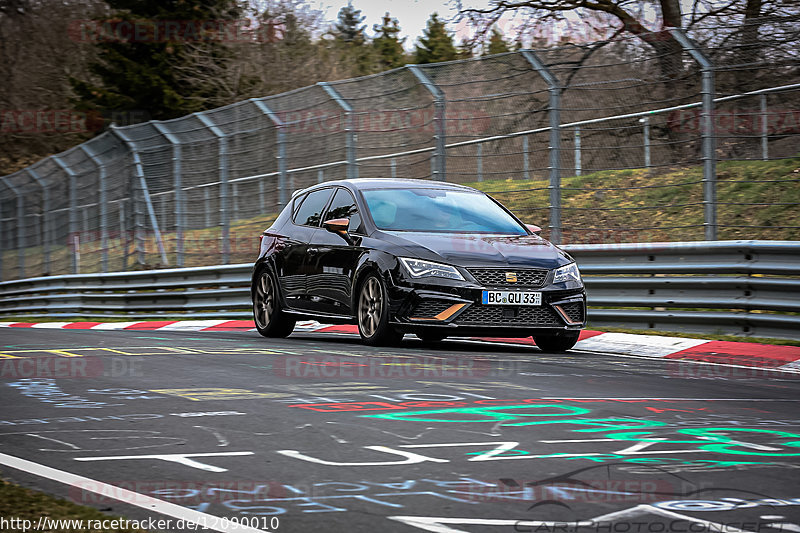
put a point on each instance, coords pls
(555, 140)
(73, 209)
(646, 133)
(708, 134)
(282, 162)
(577, 150)
(20, 223)
(137, 163)
(320, 176)
(223, 185)
(764, 129)
(103, 201)
(123, 234)
(480, 161)
(526, 169)
(1, 241)
(350, 139)
(45, 218)
(440, 131)
(177, 186)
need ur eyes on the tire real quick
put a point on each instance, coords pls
(270, 319)
(557, 343)
(431, 336)
(372, 311)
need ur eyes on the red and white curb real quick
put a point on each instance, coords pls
(745, 354)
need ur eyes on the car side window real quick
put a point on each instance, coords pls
(310, 211)
(344, 206)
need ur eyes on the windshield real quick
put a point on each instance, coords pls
(439, 210)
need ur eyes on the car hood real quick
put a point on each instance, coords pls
(480, 249)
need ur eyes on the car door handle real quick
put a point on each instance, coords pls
(313, 251)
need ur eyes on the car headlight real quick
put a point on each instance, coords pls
(418, 268)
(569, 272)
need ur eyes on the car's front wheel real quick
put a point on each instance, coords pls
(557, 343)
(270, 319)
(373, 314)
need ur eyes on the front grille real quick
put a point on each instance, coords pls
(430, 307)
(497, 315)
(574, 311)
(496, 277)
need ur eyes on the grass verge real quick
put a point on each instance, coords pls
(25, 504)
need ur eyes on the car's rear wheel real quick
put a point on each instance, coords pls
(557, 343)
(373, 314)
(431, 336)
(270, 319)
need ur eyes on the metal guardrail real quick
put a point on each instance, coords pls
(749, 288)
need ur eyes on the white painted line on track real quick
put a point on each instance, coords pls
(51, 325)
(149, 503)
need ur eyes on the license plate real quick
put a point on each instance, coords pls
(511, 298)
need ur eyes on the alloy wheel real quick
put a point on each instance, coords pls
(370, 307)
(264, 301)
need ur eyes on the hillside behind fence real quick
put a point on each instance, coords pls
(665, 136)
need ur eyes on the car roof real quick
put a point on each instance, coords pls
(388, 183)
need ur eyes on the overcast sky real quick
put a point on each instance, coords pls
(411, 14)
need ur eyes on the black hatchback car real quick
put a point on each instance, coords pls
(414, 256)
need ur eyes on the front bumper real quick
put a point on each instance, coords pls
(455, 308)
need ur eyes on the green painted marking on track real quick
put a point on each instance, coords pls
(489, 412)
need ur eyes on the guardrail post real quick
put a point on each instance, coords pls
(282, 162)
(320, 176)
(350, 135)
(554, 110)
(103, 201)
(577, 150)
(177, 187)
(440, 127)
(139, 171)
(707, 132)
(764, 128)
(46, 230)
(20, 223)
(393, 167)
(73, 211)
(223, 185)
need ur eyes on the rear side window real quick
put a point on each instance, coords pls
(310, 211)
(344, 206)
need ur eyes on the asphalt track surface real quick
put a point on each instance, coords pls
(319, 433)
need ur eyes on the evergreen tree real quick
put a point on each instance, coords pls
(436, 43)
(388, 45)
(466, 49)
(348, 25)
(142, 71)
(496, 44)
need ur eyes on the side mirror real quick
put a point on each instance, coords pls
(339, 226)
(533, 228)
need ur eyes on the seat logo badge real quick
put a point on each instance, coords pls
(511, 277)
